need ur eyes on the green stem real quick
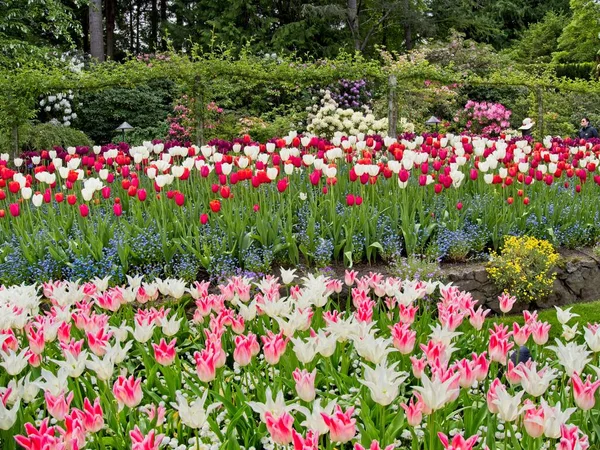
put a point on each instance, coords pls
(431, 426)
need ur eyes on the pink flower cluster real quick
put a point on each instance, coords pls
(484, 117)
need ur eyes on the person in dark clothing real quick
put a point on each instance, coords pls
(587, 131)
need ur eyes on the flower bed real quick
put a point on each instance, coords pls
(167, 210)
(264, 364)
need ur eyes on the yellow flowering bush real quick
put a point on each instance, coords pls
(524, 267)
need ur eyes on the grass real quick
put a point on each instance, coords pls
(588, 313)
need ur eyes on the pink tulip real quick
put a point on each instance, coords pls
(458, 442)
(93, 417)
(533, 420)
(521, 334)
(128, 391)
(311, 442)
(206, 365)
(492, 396)
(39, 439)
(572, 438)
(280, 427)
(506, 302)
(374, 446)
(403, 338)
(151, 441)
(499, 348)
(58, 407)
(414, 412)
(164, 353)
(540, 332)
(407, 314)
(418, 366)
(305, 384)
(481, 364)
(342, 427)
(274, 346)
(584, 393)
(245, 348)
(36, 339)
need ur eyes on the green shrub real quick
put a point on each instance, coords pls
(144, 107)
(45, 136)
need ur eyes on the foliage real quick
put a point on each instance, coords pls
(524, 267)
(417, 267)
(579, 39)
(45, 136)
(142, 107)
(540, 40)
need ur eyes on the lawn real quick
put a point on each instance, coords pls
(588, 313)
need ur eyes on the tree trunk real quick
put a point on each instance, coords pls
(353, 23)
(96, 30)
(137, 26)
(163, 22)
(154, 26)
(111, 7)
(408, 36)
(131, 31)
(85, 27)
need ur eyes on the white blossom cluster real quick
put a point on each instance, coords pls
(326, 119)
(60, 106)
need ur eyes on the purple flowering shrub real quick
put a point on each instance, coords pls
(351, 93)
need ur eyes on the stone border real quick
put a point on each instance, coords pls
(577, 280)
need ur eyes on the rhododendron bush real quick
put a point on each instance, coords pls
(165, 210)
(311, 363)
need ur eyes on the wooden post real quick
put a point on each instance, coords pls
(199, 111)
(392, 107)
(15, 140)
(540, 105)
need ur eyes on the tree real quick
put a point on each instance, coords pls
(96, 30)
(540, 40)
(579, 39)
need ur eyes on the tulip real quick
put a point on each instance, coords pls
(14, 209)
(84, 210)
(342, 427)
(204, 218)
(305, 384)
(164, 353)
(117, 209)
(215, 205)
(128, 391)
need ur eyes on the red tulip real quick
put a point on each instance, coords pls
(71, 199)
(510, 200)
(14, 209)
(204, 218)
(179, 199)
(282, 184)
(578, 188)
(256, 208)
(225, 191)
(350, 200)
(403, 175)
(474, 174)
(459, 206)
(358, 200)
(132, 191)
(117, 209)
(141, 194)
(2, 213)
(204, 171)
(215, 206)
(59, 197)
(2, 194)
(438, 188)
(84, 210)
(14, 186)
(526, 201)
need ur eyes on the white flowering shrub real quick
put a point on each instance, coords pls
(58, 108)
(327, 119)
